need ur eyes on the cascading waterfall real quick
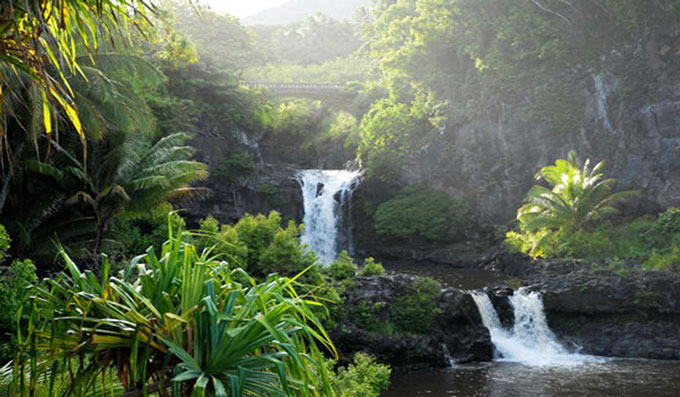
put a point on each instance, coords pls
(326, 195)
(530, 341)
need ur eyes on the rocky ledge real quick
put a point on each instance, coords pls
(457, 330)
(625, 312)
(612, 313)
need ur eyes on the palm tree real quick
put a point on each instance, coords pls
(37, 39)
(578, 196)
(132, 173)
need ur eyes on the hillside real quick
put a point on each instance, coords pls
(297, 10)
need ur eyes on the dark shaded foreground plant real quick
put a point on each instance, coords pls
(179, 323)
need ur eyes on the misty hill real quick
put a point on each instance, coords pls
(297, 10)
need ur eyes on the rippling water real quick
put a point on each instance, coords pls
(620, 378)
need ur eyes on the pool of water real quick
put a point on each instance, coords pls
(449, 276)
(620, 378)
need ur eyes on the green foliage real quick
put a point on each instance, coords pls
(317, 39)
(352, 68)
(178, 307)
(559, 105)
(667, 224)
(14, 283)
(367, 317)
(363, 378)
(577, 199)
(665, 259)
(215, 35)
(236, 167)
(415, 311)
(139, 232)
(262, 245)
(343, 268)
(271, 192)
(424, 214)
(371, 268)
(5, 241)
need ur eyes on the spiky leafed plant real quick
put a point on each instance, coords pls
(177, 323)
(578, 196)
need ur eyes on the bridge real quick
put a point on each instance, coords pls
(307, 90)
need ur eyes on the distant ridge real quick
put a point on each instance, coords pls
(298, 10)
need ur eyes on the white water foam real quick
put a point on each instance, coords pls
(326, 195)
(530, 341)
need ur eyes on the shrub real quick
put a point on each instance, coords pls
(343, 268)
(262, 245)
(271, 193)
(14, 284)
(416, 310)
(371, 268)
(236, 167)
(363, 378)
(666, 225)
(424, 214)
(4, 243)
(668, 259)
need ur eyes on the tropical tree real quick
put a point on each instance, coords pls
(577, 198)
(132, 173)
(38, 39)
(178, 323)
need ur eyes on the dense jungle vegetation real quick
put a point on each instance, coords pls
(105, 288)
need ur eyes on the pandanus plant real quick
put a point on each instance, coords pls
(179, 323)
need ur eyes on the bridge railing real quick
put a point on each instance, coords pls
(293, 86)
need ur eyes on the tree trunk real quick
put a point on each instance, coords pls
(99, 234)
(4, 193)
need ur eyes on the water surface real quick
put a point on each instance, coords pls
(450, 276)
(620, 378)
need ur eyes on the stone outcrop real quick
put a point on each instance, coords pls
(604, 312)
(458, 330)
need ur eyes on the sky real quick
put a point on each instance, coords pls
(242, 8)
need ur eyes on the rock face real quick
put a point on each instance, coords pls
(634, 314)
(457, 330)
(627, 114)
(276, 163)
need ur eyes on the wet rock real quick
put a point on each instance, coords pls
(604, 312)
(458, 327)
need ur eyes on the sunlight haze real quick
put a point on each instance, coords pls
(242, 9)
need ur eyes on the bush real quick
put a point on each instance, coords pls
(236, 167)
(416, 310)
(271, 193)
(262, 245)
(14, 285)
(371, 268)
(424, 214)
(666, 225)
(4, 243)
(363, 378)
(343, 268)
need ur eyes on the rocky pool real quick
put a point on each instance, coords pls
(612, 377)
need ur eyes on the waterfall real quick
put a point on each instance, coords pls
(326, 197)
(530, 341)
(601, 101)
